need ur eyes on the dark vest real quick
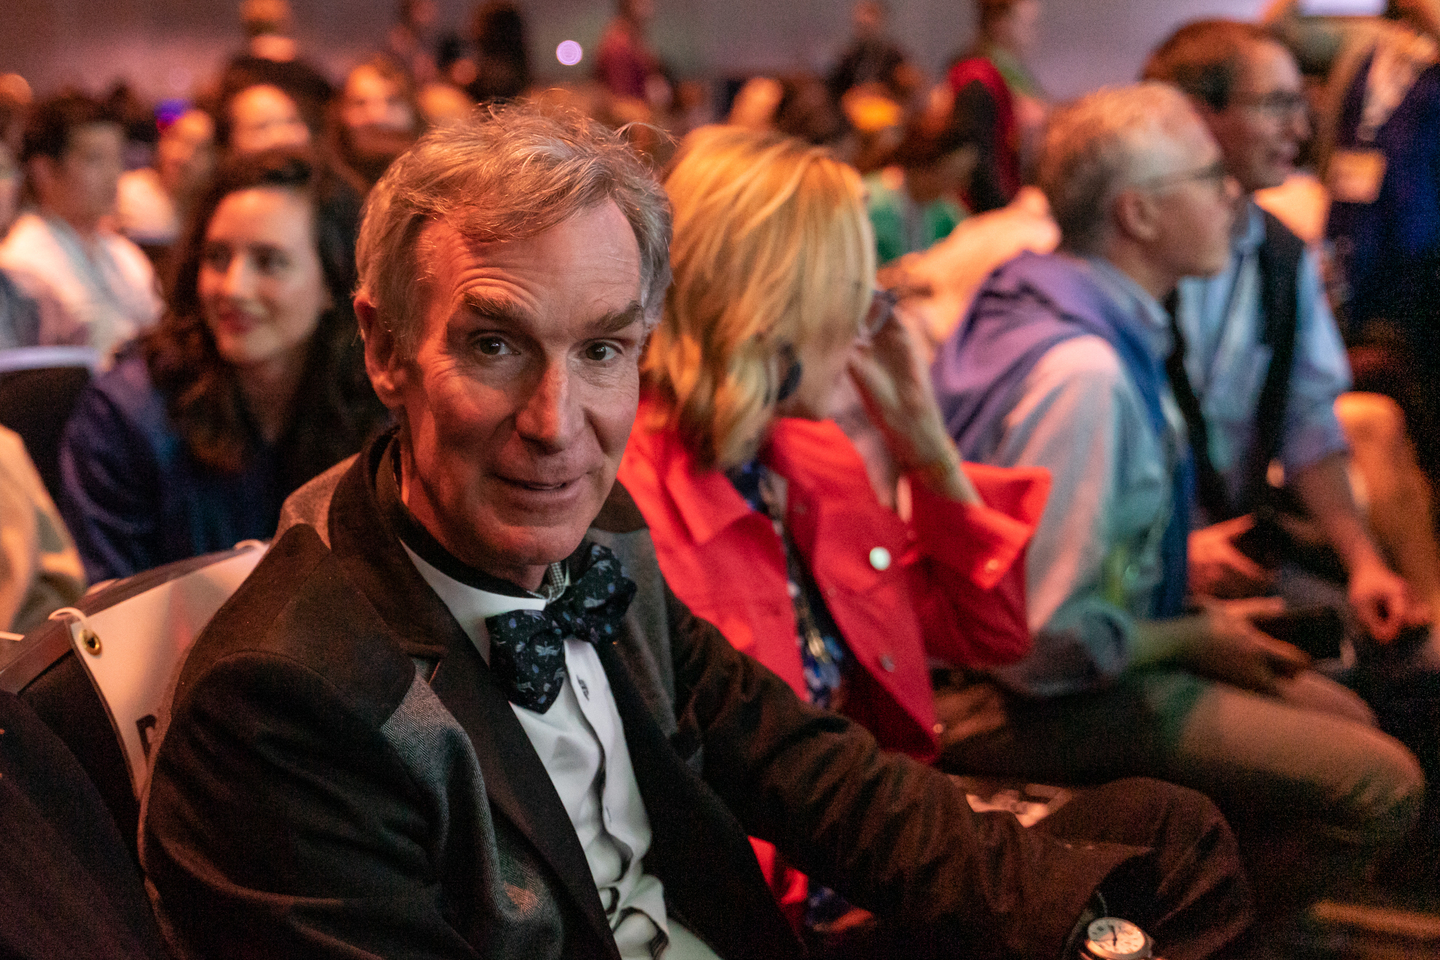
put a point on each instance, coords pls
(1280, 256)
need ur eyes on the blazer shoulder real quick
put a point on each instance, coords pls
(298, 608)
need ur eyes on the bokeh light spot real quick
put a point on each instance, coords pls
(569, 53)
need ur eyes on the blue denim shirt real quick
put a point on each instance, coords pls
(1227, 364)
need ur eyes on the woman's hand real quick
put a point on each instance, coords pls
(896, 390)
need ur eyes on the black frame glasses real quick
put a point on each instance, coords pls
(880, 312)
(1214, 172)
(1276, 103)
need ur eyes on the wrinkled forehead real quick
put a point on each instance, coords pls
(595, 248)
(471, 227)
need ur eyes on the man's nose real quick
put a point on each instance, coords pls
(1300, 124)
(550, 414)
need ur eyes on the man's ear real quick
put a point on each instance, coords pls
(383, 361)
(1137, 215)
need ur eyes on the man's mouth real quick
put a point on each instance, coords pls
(539, 486)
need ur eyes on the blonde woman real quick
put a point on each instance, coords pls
(762, 514)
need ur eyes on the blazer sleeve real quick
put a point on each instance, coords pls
(280, 822)
(887, 832)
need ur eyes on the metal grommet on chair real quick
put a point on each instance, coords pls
(80, 629)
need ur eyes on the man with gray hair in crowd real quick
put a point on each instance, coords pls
(456, 712)
(1060, 364)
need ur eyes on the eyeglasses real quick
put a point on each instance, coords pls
(1212, 173)
(1277, 103)
(882, 309)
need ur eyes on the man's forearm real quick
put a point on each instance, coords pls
(1324, 489)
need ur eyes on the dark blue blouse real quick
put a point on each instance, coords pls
(133, 496)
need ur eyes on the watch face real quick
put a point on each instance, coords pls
(1111, 938)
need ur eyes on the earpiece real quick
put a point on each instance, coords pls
(790, 379)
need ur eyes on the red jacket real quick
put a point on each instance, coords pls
(949, 585)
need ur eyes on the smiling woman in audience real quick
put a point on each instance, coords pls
(252, 383)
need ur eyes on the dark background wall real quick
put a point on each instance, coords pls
(166, 46)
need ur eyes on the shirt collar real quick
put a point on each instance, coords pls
(1152, 319)
(470, 605)
(1252, 230)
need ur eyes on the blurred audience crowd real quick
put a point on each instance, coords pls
(1142, 405)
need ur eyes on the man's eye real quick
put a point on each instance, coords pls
(491, 346)
(601, 352)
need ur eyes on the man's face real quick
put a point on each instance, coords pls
(372, 101)
(264, 116)
(1261, 129)
(522, 391)
(1198, 203)
(80, 187)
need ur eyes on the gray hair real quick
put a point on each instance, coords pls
(505, 174)
(1102, 144)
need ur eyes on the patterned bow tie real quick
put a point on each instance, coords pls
(527, 647)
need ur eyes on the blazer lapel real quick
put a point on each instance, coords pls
(516, 781)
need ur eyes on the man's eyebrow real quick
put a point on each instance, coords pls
(496, 309)
(618, 320)
(507, 313)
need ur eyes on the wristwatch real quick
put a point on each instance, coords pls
(1111, 938)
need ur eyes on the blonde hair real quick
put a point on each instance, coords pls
(771, 250)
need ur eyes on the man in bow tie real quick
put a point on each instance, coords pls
(457, 713)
